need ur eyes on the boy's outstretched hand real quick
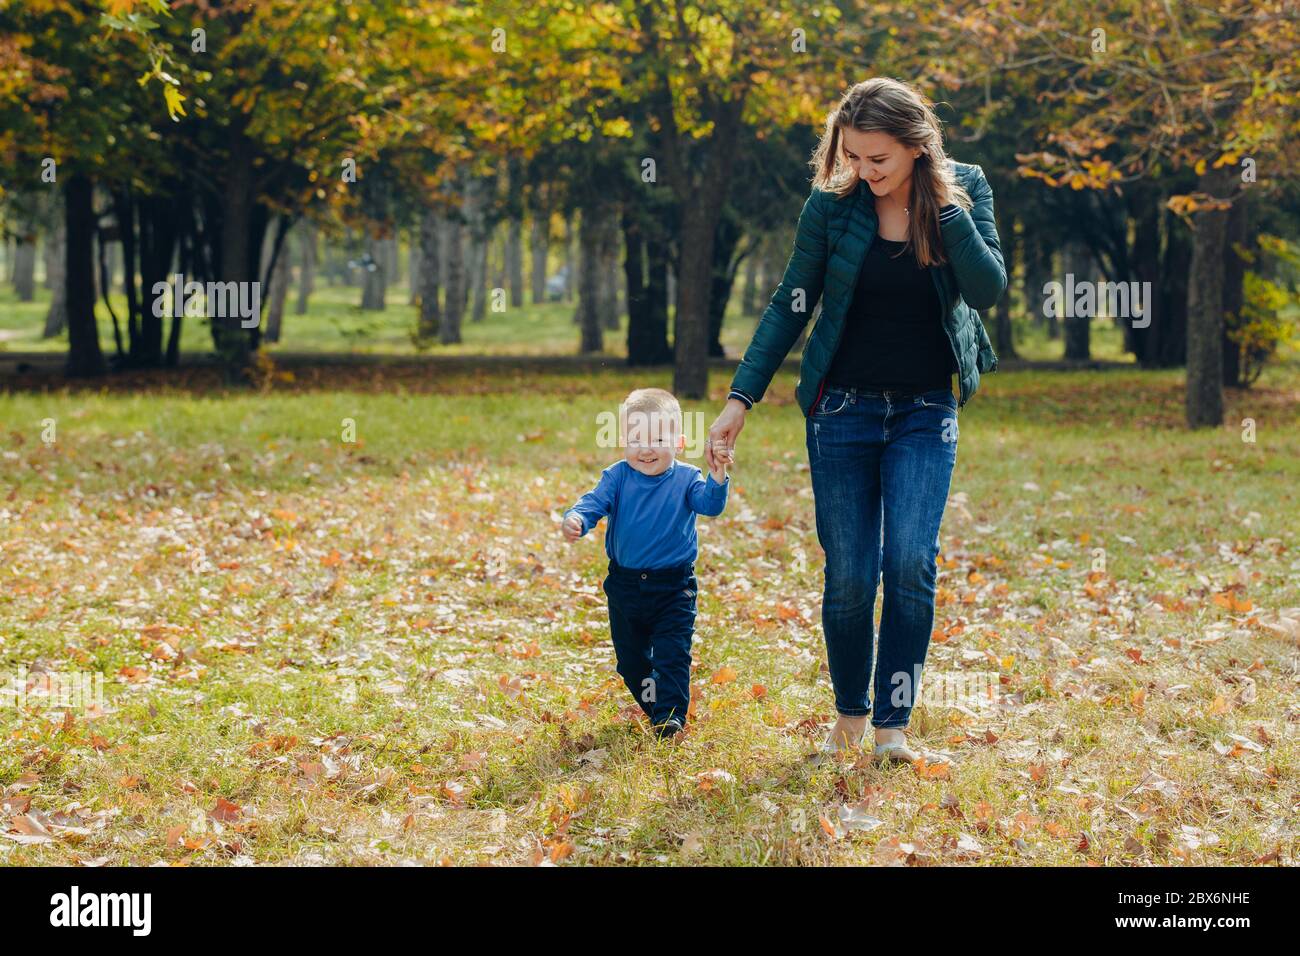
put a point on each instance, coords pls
(572, 527)
(721, 458)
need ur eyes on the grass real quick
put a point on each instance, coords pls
(335, 322)
(317, 651)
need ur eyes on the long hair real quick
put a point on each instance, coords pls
(886, 105)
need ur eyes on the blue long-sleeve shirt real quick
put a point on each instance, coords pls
(651, 518)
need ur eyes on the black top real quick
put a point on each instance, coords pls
(893, 333)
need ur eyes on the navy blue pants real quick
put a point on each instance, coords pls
(652, 621)
(882, 463)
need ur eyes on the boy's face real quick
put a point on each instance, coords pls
(652, 440)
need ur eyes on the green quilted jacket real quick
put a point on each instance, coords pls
(830, 244)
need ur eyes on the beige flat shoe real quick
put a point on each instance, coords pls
(895, 751)
(827, 751)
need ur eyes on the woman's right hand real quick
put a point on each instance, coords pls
(726, 429)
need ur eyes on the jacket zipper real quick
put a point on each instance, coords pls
(938, 286)
(821, 387)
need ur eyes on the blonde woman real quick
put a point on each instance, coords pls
(899, 242)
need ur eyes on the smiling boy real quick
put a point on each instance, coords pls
(651, 500)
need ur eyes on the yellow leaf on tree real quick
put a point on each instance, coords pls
(174, 98)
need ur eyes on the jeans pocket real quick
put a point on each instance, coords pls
(939, 397)
(832, 403)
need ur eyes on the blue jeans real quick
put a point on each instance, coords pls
(652, 621)
(881, 463)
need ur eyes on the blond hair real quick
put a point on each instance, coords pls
(885, 105)
(652, 403)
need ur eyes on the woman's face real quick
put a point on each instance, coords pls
(884, 162)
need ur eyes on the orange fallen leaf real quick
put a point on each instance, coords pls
(930, 771)
(225, 811)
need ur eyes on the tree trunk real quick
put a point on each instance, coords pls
(1144, 208)
(1171, 340)
(590, 296)
(515, 261)
(1077, 262)
(373, 276)
(56, 319)
(1038, 272)
(188, 253)
(647, 317)
(392, 260)
(348, 271)
(1234, 279)
(1003, 331)
(607, 256)
(233, 342)
(699, 201)
(156, 250)
(694, 281)
(724, 279)
(494, 268)
(25, 251)
(452, 244)
(749, 288)
(476, 232)
(476, 270)
(430, 321)
(278, 289)
(123, 234)
(569, 265)
(51, 248)
(538, 247)
(307, 263)
(329, 261)
(413, 266)
(1204, 398)
(84, 355)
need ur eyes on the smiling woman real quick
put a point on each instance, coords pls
(900, 238)
(886, 134)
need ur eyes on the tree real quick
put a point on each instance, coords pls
(1151, 89)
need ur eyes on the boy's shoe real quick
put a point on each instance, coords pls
(669, 728)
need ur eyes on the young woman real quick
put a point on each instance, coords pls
(901, 242)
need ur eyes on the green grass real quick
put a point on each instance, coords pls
(384, 651)
(335, 322)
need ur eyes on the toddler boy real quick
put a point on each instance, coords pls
(651, 500)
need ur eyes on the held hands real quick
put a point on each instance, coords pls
(720, 458)
(719, 450)
(572, 527)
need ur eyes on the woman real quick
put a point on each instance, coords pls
(901, 241)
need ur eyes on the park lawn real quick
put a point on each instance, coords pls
(317, 651)
(334, 322)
